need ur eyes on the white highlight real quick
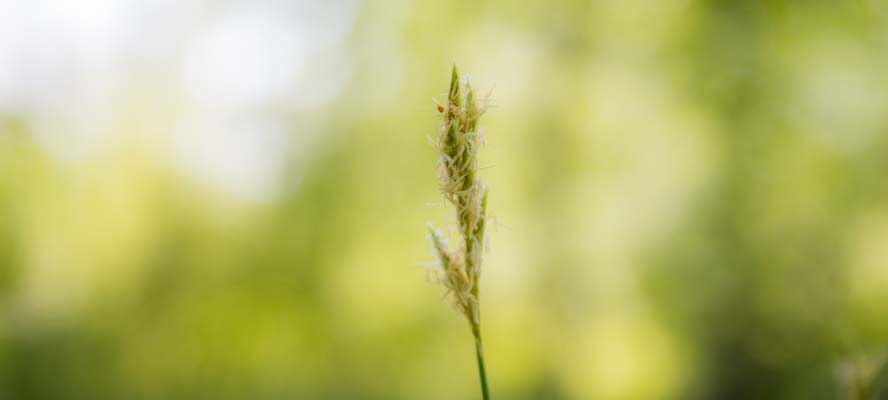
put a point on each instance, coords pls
(225, 76)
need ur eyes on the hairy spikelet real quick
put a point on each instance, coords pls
(458, 141)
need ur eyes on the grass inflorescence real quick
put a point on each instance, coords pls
(457, 143)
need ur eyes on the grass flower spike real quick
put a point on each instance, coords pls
(457, 144)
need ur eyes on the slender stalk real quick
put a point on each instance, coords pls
(479, 352)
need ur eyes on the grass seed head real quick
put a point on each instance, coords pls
(457, 144)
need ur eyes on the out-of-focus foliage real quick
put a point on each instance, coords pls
(227, 200)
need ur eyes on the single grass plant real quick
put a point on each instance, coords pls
(458, 267)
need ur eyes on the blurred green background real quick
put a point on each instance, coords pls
(227, 199)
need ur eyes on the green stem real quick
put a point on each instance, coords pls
(479, 351)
